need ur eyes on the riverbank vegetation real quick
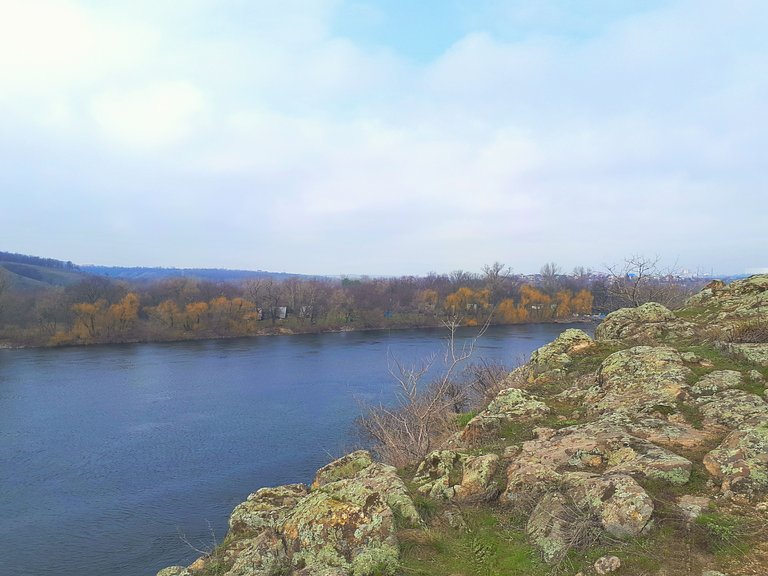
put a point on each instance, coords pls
(45, 302)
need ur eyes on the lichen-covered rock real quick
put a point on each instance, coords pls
(756, 353)
(344, 467)
(717, 382)
(621, 504)
(265, 508)
(510, 405)
(382, 481)
(477, 483)
(558, 353)
(732, 408)
(648, 323)
(639, 379)
(740, 463)
(597, 446)
(440, 473)
(325, 532)
(740, 300)
(264, 555)
(549, 526)
(671, 431)
(606, 564)
(174, 571)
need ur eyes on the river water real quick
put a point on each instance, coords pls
(112, 456)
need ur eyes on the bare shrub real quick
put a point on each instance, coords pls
(484, 380)
(752, 332)
(422, 415)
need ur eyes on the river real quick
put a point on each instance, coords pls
(112, 456)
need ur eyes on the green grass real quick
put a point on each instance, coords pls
(463, 419)
(487, 547)
(723, 534)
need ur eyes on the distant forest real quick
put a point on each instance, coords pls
(45, 302)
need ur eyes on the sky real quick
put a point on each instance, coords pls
(385, 137)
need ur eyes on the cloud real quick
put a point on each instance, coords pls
(263, 138)
(149, 117)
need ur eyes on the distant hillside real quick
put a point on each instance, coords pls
(141, 273)
(32, 273)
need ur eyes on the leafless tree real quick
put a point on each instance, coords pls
(495, 276)
(641, 279)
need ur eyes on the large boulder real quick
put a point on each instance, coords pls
(377, 480)
(440, 473)
(621, 504)
(345, 467)
(510, 405)
(732, 408)
(740, 463)
(477, 481)
(325, 532)
(265, 508)
(649, 323)
(551, 525)
(558, 354)
(640, 379)
(597, 446)
(717, 381)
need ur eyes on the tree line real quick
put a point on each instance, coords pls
(103, 310)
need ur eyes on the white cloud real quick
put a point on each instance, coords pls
(151, 116)
(524, 149)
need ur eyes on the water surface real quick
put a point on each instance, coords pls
(110, 454)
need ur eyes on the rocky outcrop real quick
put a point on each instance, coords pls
(510, 405)
(732, 408)
(722, 304)
(640, 379)
(450, 475)
(717, 381)
(649, 323)
(344, 525)
(666, 428)
(558, 354)
(740, 463)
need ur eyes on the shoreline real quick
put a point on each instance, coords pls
(277, 331)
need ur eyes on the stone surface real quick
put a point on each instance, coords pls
(607, 564)
(740, 300)
(477, 483)
(692, 506)
(265, 508)
(732, 408)
(740, 463)
(325, 532)
(639, 379)
(597, 446)
(345, 467)
(440, 473)
(377, 480)
(754, 353)
(649, 323)
(717, 381)
(549, 527)
(558, 353)
(621, 504)
(510, 405)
